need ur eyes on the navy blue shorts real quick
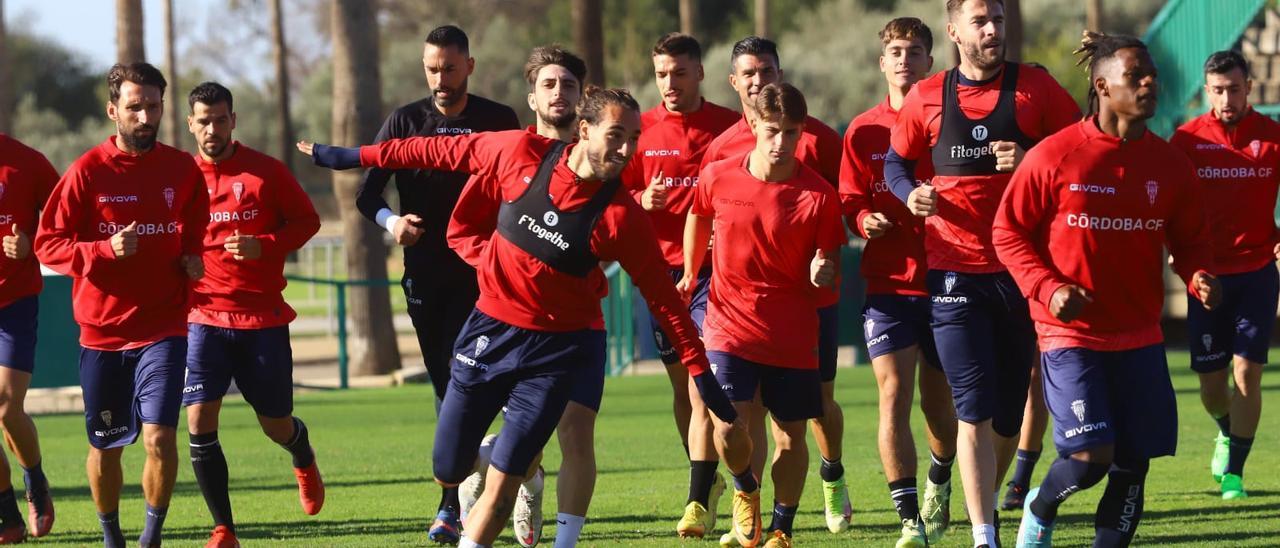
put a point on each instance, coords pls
(789, 394)
(828, 341)
(893, 322)
(125, 389)
(260, 361)
(1240, 326)
(986, 343)
(697, 310)
(18, 334)
(1101, 398)
(531, 372)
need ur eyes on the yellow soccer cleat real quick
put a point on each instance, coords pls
(694, 522)
(746, 518)
(778, 540)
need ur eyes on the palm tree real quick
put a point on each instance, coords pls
(281, 52)
(588, 37)
(6, 108)
(762, 18)
(689, 17)
(1013, 30)
(173, 109)
(129, 45)
(1093, 15)
(357, 115)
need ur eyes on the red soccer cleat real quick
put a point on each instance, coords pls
(39, 516)
(222, 537)
(310, 489)
(13, 535)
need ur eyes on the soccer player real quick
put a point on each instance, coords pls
(663, 177)
(976, 121)
(26, 180)
(1236, 152)
(559, 212)
(440, 289)
(1083, 227)
(896, 313)
(780, 230)
(127, 223)
(755, 64)
(239, 322)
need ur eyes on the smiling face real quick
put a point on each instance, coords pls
(137, 116)
(905, 62)
(611, 141)
(751, 73)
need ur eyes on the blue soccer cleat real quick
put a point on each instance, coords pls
(1033, 533)
(447, 527)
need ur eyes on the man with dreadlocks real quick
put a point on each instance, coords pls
(1083, 226)
(975, 122)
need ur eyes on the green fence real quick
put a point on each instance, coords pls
(57, 337)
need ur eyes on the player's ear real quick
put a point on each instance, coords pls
(111, 111)
(471, 65)
(583, 130)
(929, 68)
(1100, 87)
(233, 120)
(701, 74)
(532, 105)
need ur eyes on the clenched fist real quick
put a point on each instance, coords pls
(822, 271)
(17, 245)
(923, 201)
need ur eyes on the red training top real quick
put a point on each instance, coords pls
(1238, 168)
(958, 237)
(673, 144)
(516, 287)
(26, 179)
(1086, 208)
(253, 194)
(894, 263)
(130, 302)
(763, 306)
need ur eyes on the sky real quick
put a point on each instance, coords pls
(89, 26)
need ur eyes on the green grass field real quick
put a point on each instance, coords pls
(374, 449)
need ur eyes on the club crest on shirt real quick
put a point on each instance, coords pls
(1153, 190)
(1255, 146)
(1077, 407)
(237, 188)
(481, 343)
(168, 196)
(1207, 340)
(408, 287)
(106, 417)
(949, 281)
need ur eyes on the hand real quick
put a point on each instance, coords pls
(125, 242)
(685, 287)
(407, 231)
(18, 245)
(243, 247)
(923, 201)
(305, 147)
(1068, 301)
(1008, 155)
(1276, 251)
(193, 266)
(875, 225)
(715, 399)
(655, 195)
(1209, 289)
(822, 271)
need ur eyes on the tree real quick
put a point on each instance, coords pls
(357, 115)
(281, 53)
(1093, 15)
(588, 37)
(1013, 30)
(689, 17)
(129, 44)
(173, 109)
(6, 102)
(762, 18)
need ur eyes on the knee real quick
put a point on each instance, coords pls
(787, 440)
(160, 442)
(11, 410)
(1248, 374)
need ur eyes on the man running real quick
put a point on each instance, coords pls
(1083, 227)
(754, 65)
(559, 213)
(975, 122)
(440, 289)
(127, 223)
(26, 180)
(1236, 152)
(663, 177)
(780, 233)
(896, 312)
(239, 322)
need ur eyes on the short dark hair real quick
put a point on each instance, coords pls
(781, 101)
(676, 43)
(1098, 47)
(757, 46)
(907, 28)
(553, 54)
(1226, 61)
(954, 6)
(139, 73)
(210, 93)
(449, 35)
(595, 99)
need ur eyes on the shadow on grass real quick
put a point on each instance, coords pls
(186, 488)
(280, 530)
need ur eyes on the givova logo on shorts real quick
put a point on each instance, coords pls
(105, 415)
(1078, 408)
(949, 283)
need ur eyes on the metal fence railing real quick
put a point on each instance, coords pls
(619, 320)
(339, 291)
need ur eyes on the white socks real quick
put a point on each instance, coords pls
(568, 527)
(984, 535)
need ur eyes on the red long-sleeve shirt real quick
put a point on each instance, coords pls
(1239, 170)
(256, 195)
(762, 305)
(1085, 208)
(26, 179)
(516, 287)
(958, 237)
(894, 263)
(674, 143)
(130, 302)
